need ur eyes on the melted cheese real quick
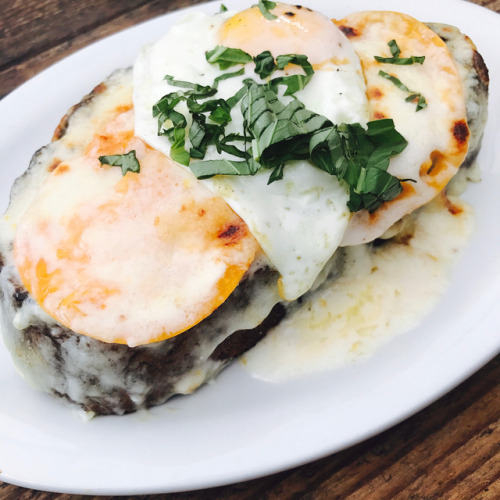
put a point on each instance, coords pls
(437, 135)
(381, 293)
(129, 259)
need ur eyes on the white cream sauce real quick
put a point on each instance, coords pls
(381, 292)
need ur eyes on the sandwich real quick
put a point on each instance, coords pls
(189, 204)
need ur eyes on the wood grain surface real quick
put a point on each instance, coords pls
(450, 450)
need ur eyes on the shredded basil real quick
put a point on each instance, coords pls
(414, 96)
(128, 162)
(264, 64)
(280, 133)
(226, 57)
(173, 124)
(209, 168)
(265, 6)
(222, 9)
(396, 59)
(276, 132)
(293, 83)
(360, 157)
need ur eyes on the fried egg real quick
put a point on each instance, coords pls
(298, 222)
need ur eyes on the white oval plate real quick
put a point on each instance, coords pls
(239, 428)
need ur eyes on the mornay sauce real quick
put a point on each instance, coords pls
(381, 292)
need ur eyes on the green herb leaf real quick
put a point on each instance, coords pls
(274, 126)
(394, 47)
(293, 83)
(415, 96)
(178, 150)
(298, 59)
(265, 6)
(421, 103)
(399, 84)
(128, 162)
(276, 174)
(264, 64)
(226, 57)
(233, 150)
(226, 76)
(209, 168)
(396, 59)
(222, 9)
(401, 61)
(220, 111)
(204, 90)
(173, 124)
(386, 140)
(201, 134)
(360, 157)
(232, 101)
(276, 132)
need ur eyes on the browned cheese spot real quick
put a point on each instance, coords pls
(452, 207)
(378, 115)
(404, 239)
(374, 93)
(434, 166)
(348, 31)
(461, 132)
(61, 169)
(408, 190)
(55, 163)
(99, 88)
(290, 14)
(232, 234)
(63, 124)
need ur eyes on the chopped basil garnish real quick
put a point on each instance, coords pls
(199, 89)
(396, 59)
(173, 124)
(295, 82)
(128, 162)
(264, 64)
(265, 6)
(279, 132)
(360, 157)
(421, 102)
(209, 168)
(276, 132)
(222, 9)
(226, 57)
(414, 96)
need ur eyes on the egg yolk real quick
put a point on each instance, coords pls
(295, 30)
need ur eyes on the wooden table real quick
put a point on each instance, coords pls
(449, 450)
